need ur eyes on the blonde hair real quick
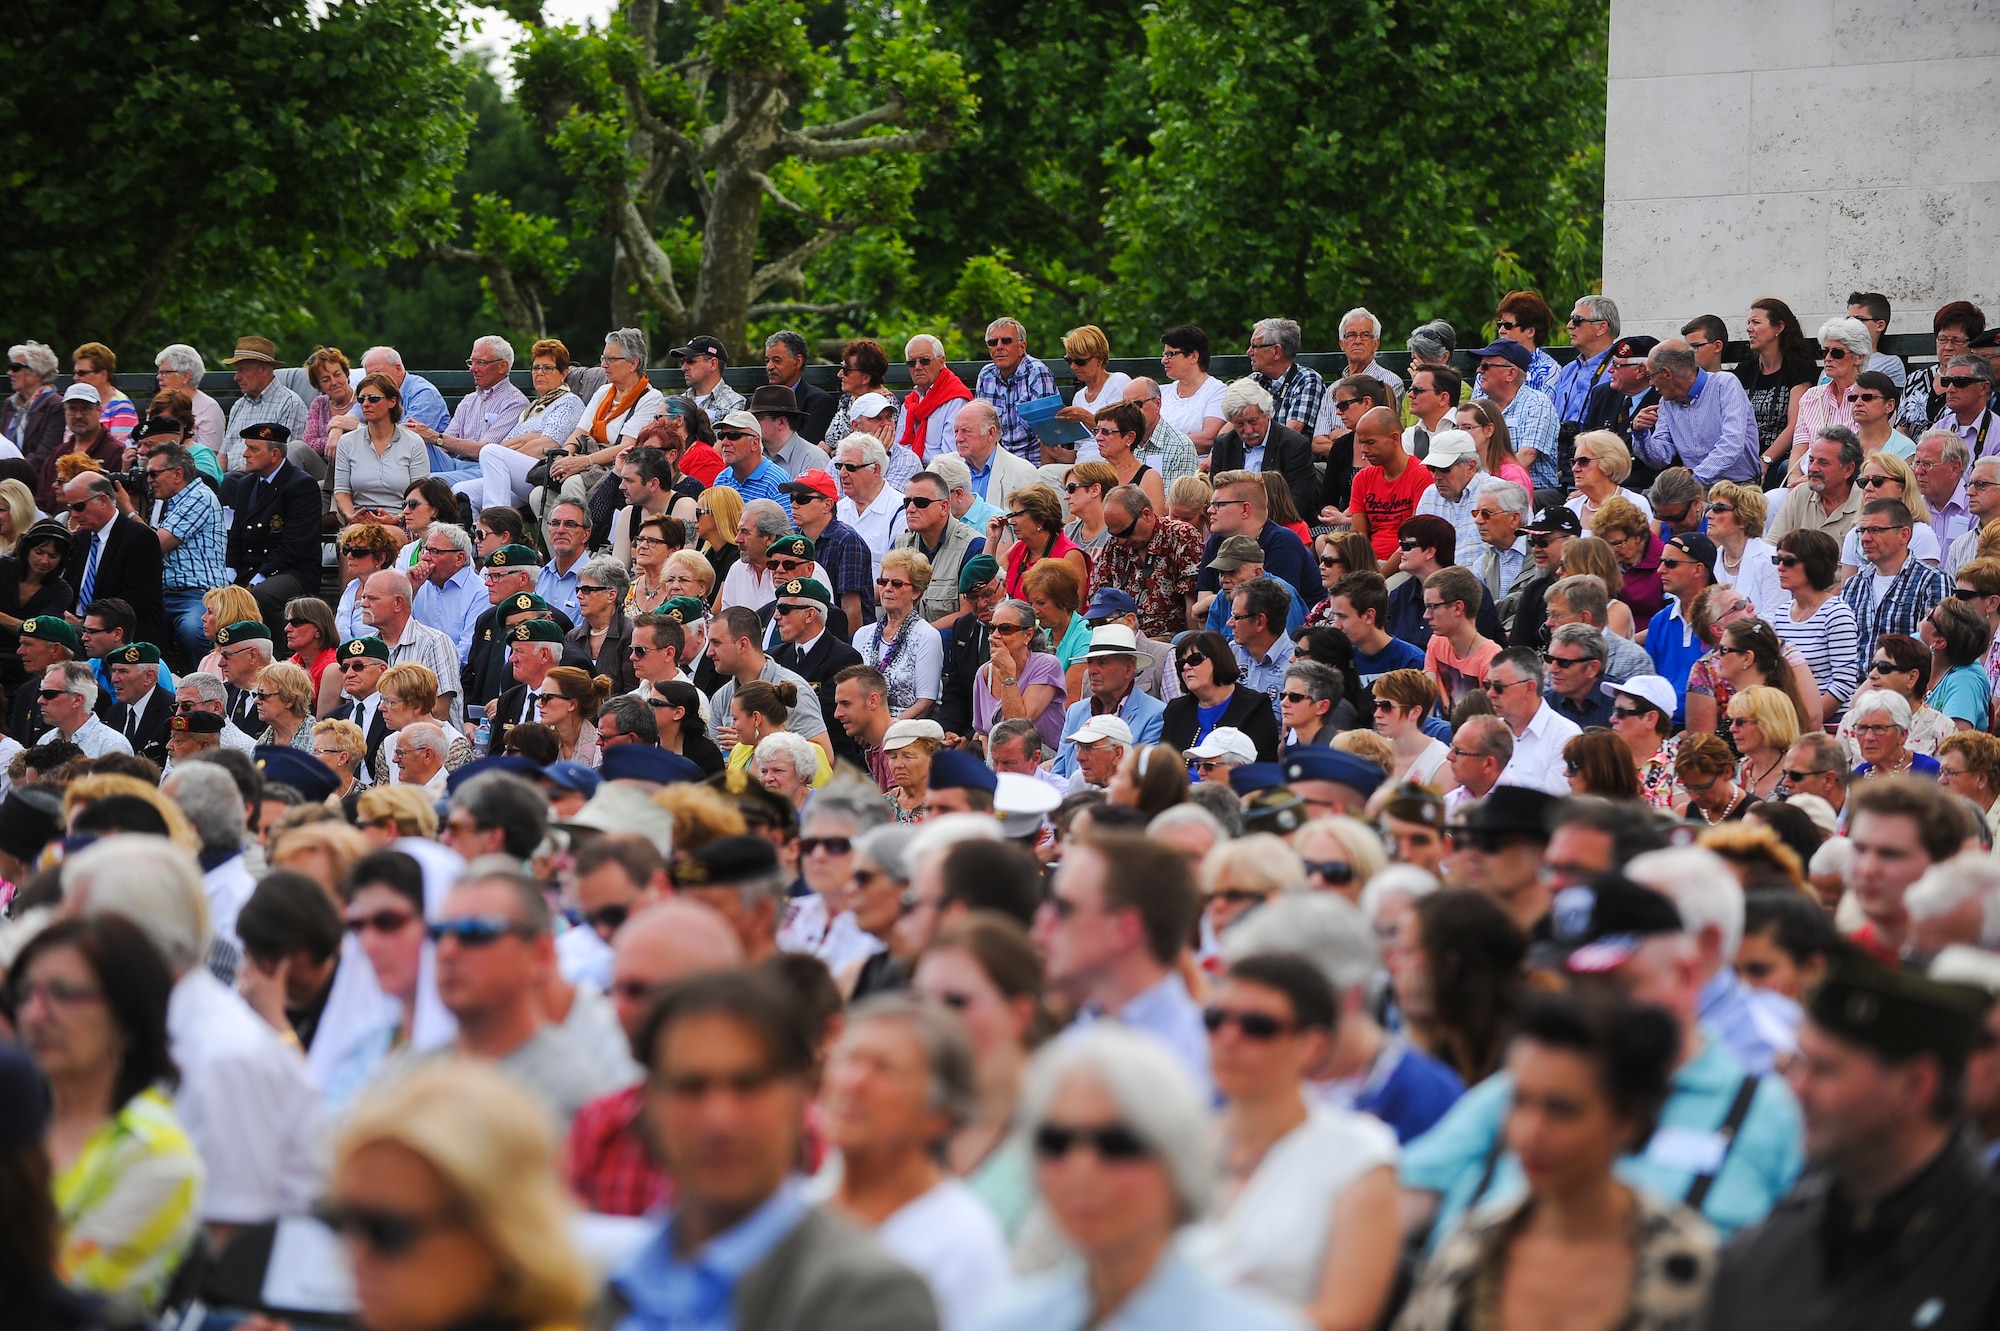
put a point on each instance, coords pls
(1593, 556)
(725, 510)
(1753, 510)
(494, 1149)
(1190, 492)
(21, 510)
(404, 805)
(912, 564)
(700, 814)
(586, 690)
(342, 845)
(87, 790)
(1259, 860)
(231, 604)
(291, 683)
(694, 564)
(1988, 545)
(1366, 744)
(1361, 842)
(1772, 711)
(346, 737)
(1087, 343)
(1608, 451)
(413, 683)
(1093, 472)
(1621, 515)
(1904, 475)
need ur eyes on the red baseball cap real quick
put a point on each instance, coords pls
(817, 481)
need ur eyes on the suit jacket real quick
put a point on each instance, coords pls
(1010, 473)
(510, 709)
(129, 569)
(1609, 409)
(239, 709)
(828, 657)
(819, 406)
(964, 652)
(275, 525)
(613, 659)
(486, 671)
(376, 731)
(150, 741)
(1248, 710)
(1286, 451)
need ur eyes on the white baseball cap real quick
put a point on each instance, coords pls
(1110, 726)
(1449, 448)
(82, 393)
(904, 733)
(869, 405)
(1224, 742)
(1653, 690)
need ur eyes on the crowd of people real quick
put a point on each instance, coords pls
(1431, 850)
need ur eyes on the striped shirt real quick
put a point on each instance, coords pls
(1826, 641)
(194, 516)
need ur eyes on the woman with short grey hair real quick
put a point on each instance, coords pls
(180, 366)
(602, 629)
(1432, 343)
(32, 416)
(1846, 346)
(615, 414)
(1124, 1158)
(875, 895)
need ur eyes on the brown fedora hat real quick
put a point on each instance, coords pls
(254, 348)
(776, 400)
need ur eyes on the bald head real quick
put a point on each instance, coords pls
(662, 944)
(1378, 438)
(385, 601)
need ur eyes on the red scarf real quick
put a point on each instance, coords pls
(917, 408)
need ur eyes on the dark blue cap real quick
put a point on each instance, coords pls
(646, 762)
(1110, 601)
(511, 764)
(298, 769)
(1510, 351)
(955, 769)
(1250, 778)
(572, 775)
(1311, 762)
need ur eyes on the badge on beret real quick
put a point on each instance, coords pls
(687, 869)
(521, 633)
(31, 625)
(525, 601)
(178, 725)
(796, 587)
(673, 614)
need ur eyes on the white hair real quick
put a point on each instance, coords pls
(868, 446)
(427, 735)
(924, 342)
(212, 801)
(1834, 858)
(1155, 1097)
(1702, 885)
(1881, 700)
(1323, 927)
(1947, 886)
(802, 753)
(495, 345)
(1244, 395)
(951, 469)
(181, 358)
(390, 354)
(1953, 449)
(1374, 324)
(207, 686)
(766, 517)
(1850, 333)
(1398, 880)
(151, 882)
(934, 836)
(37, 356)
(457, 537)
(1188, 815)
(78, 678)
(1512, 496)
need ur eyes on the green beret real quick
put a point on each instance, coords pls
(794, 546)
(812, 589)
(977, 572)
(53, 628)
(684, 610)
(523, 603)
(243, 630)
(536, 630)
(139, 653)
(514, 556)
(1897, 1013)
(355, 648)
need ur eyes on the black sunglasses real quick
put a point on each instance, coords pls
(390, 1233)
(1114, 1144)
(475, 930)
(1254, 1025)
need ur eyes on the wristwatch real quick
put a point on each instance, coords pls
(1009, 681)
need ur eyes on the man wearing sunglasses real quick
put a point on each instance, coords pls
(495, 953)
(868, 504)
(780, 422)
(807, 649)
(927, 413)
(68, 695)
(702, 361)
(1515, 682)
(1968, 402)
(1011, 378)
(113, 556)
(1687, 569)
(837, 547)
(930, 529)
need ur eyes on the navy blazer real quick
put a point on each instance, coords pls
(274, 527)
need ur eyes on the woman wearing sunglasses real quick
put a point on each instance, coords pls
(1086, 484)
(365, 548)
(902, 644)
(1846, 345)
(1214, 697)
(446, 1192)
(375, 466)
(426, 501)
(1340, 855)
(1886, 476)
(1123, 1155)
(1239, 876)
(1642, 715)
(820, 922)
(312, 637)
(1904, 667)
(1403, 698)
(285, 705)
(1818, 624)
(1088, 353)
(1307, 1212)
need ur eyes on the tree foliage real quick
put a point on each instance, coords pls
(193, 168)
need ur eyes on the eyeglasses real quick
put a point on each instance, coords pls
(381, 921)
(1543, 542)
(1114, 1145)
(1722, 508)
(1967, 593)
(50, 695)
(1877, 730)
(1508, 325)
(387, 1233)
(544, 699)
(786, 564)
(1000, 341)
(82, 504)
(1786, 561)
(1565, 661)
(920, 503)
(1346, 404)
(1676, 563)
(1880, 667)
(1294, 697)
(1407, 543)
(832, 845)
(1835, 353)
(1626, 713)
(370, 398)
(476, 930)
(894, 584)
(607, 919)
(1254, 1025)
(1864, 397)
(582, 590)
(1576, 319)
(1876, 531)
(563, 524)
(539, 368)
(1793, 778)
(1876, 482)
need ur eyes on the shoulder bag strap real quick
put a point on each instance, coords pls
(1739, 1110)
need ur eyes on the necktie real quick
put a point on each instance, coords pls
(132, 726)
(89, 583)
(1490, 575)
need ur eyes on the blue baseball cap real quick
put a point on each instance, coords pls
(955, 769)
(646, 762)
(1110, 601)
(1508, 350)
(568, 774)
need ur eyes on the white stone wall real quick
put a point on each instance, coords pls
(1801, 149)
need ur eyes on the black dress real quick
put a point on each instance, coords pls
(53, 597)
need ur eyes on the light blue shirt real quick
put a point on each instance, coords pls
(195, 517)
(1532, 423)
(1168, 1013)
(1176, 1296)
(453, 608)
(1754, 1025)
(1144, 713)
(668, 1292)
(1266, 673)
(559, 589)
(1761, 1167)
(979, 515)
(423, 404)
(1714, 432)
(1219, 608)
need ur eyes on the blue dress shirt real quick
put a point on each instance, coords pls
(453, 608)
(668, 1292)
(1144, 713)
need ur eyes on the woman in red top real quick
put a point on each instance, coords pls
(1030, 532)
(310, 633)
(1620, 525)
(1283, 511)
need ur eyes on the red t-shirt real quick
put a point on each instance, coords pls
(1388, 504)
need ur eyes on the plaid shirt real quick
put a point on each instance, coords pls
(605, 1162)
(1297, 393)
(845, 557)
(1916, 591)
(195, 516)
(1031, 380)
(1176, 452)
(1161, 577)
(1531, 423)
(278, 405)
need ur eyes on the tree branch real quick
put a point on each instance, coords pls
(745, 109)
(520, 309)
(651, 269)
(814, 150)
(790, 267)
(890, 112)
(665, 136)
(778, 195)
(768, 309)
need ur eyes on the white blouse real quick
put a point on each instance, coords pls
(1186, 414)
(1109, 395)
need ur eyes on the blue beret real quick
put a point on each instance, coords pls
(1249, 778)
(955, 769)
(646, 762)
(508, 763)
(572, 775)
(1312, 762)
(298, 769)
